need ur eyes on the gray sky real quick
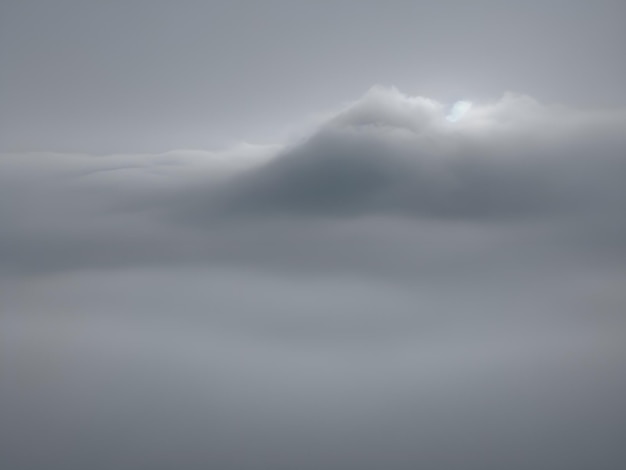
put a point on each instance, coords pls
(154, 75)
(227, 241)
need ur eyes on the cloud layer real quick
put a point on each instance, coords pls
(513, 167)
(389, 154)
(393, 290)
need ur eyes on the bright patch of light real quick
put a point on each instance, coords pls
(458, 110)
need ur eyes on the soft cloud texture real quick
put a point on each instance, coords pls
(388, 167)
(393, 290)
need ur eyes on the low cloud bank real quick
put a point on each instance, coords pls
(385, 156)
(395, 291)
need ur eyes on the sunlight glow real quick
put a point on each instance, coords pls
(458, 110)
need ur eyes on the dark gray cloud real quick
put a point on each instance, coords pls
(387, 184)
(393, 290)
(392, 154)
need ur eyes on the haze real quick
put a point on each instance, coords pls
(271, 235)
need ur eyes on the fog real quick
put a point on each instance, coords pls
(390, 289)
(312, 235)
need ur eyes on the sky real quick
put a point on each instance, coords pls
(157, 75)
(278, 235)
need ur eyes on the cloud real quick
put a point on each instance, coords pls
(232, 369)
(393, 154)
(377, 175)
(393, 290)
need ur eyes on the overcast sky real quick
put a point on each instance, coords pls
(154, 75)
(305, 235)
